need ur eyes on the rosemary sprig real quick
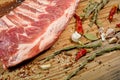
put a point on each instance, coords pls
(96, 11)
(90, 45)
(89, 9)
(100, 52)
(81, 66)
(88, 5)
(110, 48)
(94, 18)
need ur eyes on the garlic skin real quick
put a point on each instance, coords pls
(46, 66)
(101, 30)
(113, 40)
(110, 33)
(75, 36)
(117, 35)
(102, 34)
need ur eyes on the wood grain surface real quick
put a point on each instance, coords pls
(105, 67)
(7, 5)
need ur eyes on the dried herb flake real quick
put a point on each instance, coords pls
(91, 36)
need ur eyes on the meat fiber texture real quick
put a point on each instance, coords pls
(32, 27)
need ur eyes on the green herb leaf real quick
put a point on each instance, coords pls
(91, 36)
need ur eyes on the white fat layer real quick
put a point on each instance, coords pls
(24, 34)
(25, 48)
(22, 21)
(47, 38)
(40, 8)
(44, 2)
(28, 13)
(54, 29)
(8, 22)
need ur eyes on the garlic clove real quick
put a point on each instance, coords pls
(110, 33)
(113, 40)
(117, 35)
(103, 36)
(45, 66)
(101, 30)
(75, 36)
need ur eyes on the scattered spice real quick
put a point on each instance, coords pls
(96, 53)
(118, 25)
(22, 74)
(99, 62)
(95, 8)
(45, 66)
(89, 45)
(112, 12)
(91, 36)
(68, 54)
(79, 27)
(80, 53)
(67, 65)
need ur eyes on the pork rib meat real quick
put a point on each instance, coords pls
(32, 27)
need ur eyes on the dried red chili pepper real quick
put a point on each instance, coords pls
(112, 12)
(79, 27)
(80, 53)
(118, 25)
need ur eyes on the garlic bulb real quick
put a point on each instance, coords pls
(110, 33)
(75, 36)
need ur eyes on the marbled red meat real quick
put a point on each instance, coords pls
(32, 27)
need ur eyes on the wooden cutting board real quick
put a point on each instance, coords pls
(105, 67)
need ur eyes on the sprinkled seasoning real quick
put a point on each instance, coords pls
(96, 53)
(91, 45)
